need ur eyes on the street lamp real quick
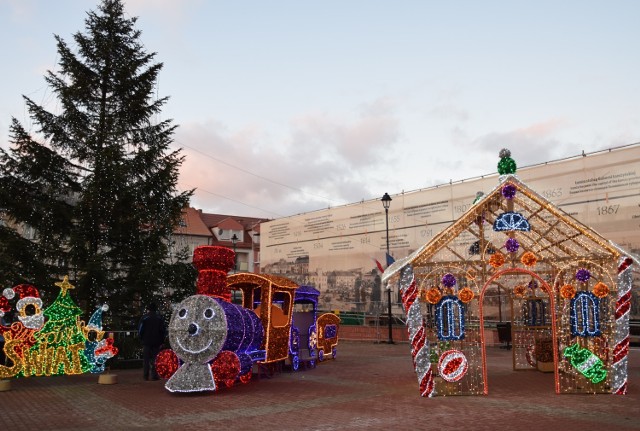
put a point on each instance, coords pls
(234, 240)
(386, 203)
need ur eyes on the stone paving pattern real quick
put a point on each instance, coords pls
(368, 387)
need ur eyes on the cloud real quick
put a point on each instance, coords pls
(531, 144)
(322, 160)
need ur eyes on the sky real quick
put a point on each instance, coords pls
(286, 107)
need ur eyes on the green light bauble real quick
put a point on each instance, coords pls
(506, 166)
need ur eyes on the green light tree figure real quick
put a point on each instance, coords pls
(60, 343)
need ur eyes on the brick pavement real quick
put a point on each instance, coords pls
(369, 387)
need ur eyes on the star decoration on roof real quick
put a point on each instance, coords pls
(64, 285)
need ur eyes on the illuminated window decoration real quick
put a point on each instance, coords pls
(535, 313)
(452, 365)
(588, 364)
(512, 245)
(585, 315)
(510, 221)
(448, 280)
(509, 191)
(583, 275)
(506, 165)
(330, 331)
(529, 259)
(450, 318)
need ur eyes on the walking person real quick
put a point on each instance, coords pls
(152, 333)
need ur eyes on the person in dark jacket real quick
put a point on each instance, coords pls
(152, 333)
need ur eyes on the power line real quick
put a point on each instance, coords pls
(237, 201)
(260, 176)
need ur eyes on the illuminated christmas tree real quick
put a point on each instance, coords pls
(97, 179)
(60, 343)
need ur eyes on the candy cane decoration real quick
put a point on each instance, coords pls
(417, 333)
(621, 332)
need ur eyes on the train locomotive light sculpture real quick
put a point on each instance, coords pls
(214, 342)
(204, 327)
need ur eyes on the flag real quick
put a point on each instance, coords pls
(378, 264)
(390, 260)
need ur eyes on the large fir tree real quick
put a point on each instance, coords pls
(91, 191)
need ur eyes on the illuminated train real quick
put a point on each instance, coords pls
(236, 321)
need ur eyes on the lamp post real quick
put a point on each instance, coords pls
(386, 203)
(234, 240)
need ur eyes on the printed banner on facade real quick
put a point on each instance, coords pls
(336, 249)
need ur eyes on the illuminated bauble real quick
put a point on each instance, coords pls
(466, 295)
(519, 290)
(567, 291)
(8, 293)
(452, 365)
(433, 295)
(583, 275)
(448, 280)
(512, 245)
(497, 260)
(529, 259)
(600, 290)
(509, 191)
(506, 165)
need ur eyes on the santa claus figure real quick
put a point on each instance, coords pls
(28, 306)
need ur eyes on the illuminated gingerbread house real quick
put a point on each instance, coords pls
(514, 256)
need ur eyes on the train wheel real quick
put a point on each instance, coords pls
(229, 383)
(321, 355)
(295, 362)
(334, 352)
(246, 378)
(312, 363)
